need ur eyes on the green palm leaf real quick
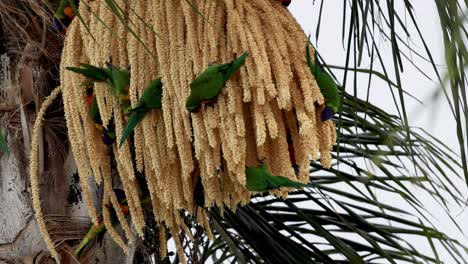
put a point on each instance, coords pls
(332, 223)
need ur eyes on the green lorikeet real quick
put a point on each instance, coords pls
(151, 99)
(327, 86)
(97, 231)
(259, 179)
(209, 84)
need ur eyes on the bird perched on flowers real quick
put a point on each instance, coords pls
(108, 134)
(259, 179)
(64, 15)
(151, 99)
(209, 84)
(97, 231)
(327, 86)
(117, 78)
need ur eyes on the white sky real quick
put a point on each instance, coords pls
(434, 117)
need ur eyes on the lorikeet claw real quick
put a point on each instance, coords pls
(260, 179)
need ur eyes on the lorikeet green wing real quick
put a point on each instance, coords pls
(119, 80)
(329, 91)
(209, 84)
(327, 86)
(91, 72)
(99, 230)
(152, 96)
(259, 179)
(151, 99)
(59, 13)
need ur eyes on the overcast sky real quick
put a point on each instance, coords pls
(434, 117)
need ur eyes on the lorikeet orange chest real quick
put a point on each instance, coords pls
(64, 15)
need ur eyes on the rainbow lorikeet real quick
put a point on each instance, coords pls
(97, 231)
(151, 99)
(117, 78)
(259, 179)
(327, 86)
(64, 15)
(108, 134)
(209, 84)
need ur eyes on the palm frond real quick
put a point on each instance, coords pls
(339, 218)
(366, 22)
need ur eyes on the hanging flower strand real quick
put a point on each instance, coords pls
(225, 106)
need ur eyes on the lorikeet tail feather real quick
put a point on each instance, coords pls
(235, 65)
(90, 71)
(282, 181)
(133, 121)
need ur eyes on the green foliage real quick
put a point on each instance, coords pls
(117, 78)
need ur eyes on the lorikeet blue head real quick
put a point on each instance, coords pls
(108, 138)
(120, 194)
(327, 113)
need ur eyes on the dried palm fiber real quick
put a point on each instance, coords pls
(273, 101)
